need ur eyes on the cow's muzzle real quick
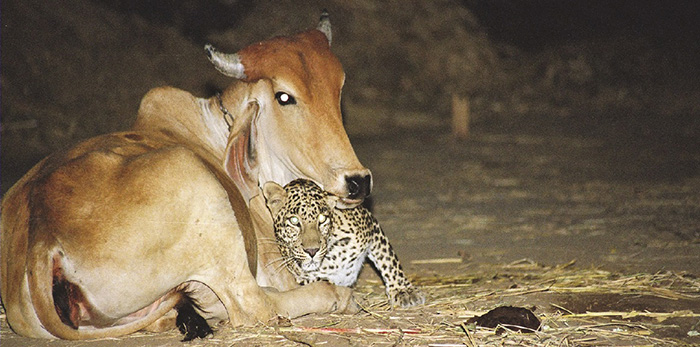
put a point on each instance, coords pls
(359, 187)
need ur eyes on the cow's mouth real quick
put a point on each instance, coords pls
(349, 203)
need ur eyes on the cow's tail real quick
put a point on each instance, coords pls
(41, 274)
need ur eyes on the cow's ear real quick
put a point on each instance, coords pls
(242, 118)
(238, 158)
(274, 197)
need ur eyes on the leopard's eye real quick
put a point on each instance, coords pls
(294, 220)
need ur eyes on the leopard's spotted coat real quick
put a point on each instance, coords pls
(319, 241)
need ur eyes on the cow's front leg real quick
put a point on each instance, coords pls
(249, 304)
(316, 297)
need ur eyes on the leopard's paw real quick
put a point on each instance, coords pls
(406, 297)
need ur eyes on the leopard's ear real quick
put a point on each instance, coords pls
(274, 197)
(331, 200)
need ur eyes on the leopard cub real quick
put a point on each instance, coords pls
(320, 242)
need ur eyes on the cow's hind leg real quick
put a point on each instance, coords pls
(164, 323)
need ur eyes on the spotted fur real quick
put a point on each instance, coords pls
(321, 242)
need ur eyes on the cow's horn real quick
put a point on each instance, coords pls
(228, 64)
(324, 26)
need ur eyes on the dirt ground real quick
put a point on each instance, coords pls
(567, 224)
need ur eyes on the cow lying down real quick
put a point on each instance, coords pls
(164, 224)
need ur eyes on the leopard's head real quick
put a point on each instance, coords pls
(301, 211)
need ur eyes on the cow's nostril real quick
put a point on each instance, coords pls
(358, 186)
(353, 187)
(311, 251)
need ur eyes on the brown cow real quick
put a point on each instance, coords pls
(109, 236)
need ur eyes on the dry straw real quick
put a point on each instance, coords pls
(560, 296)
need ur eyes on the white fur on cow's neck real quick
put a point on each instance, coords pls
(271, 165)
(216, 134)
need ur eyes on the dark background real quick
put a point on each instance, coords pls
(74, 69)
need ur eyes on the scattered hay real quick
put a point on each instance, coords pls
(646, 309)
(455, 299)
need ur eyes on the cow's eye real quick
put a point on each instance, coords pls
(285, 99)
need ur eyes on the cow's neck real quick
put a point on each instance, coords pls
(215, 133)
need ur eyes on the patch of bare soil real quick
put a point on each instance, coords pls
(625, 203)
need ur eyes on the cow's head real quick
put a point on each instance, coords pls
(297, 132)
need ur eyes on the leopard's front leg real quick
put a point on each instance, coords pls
(398, 288)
